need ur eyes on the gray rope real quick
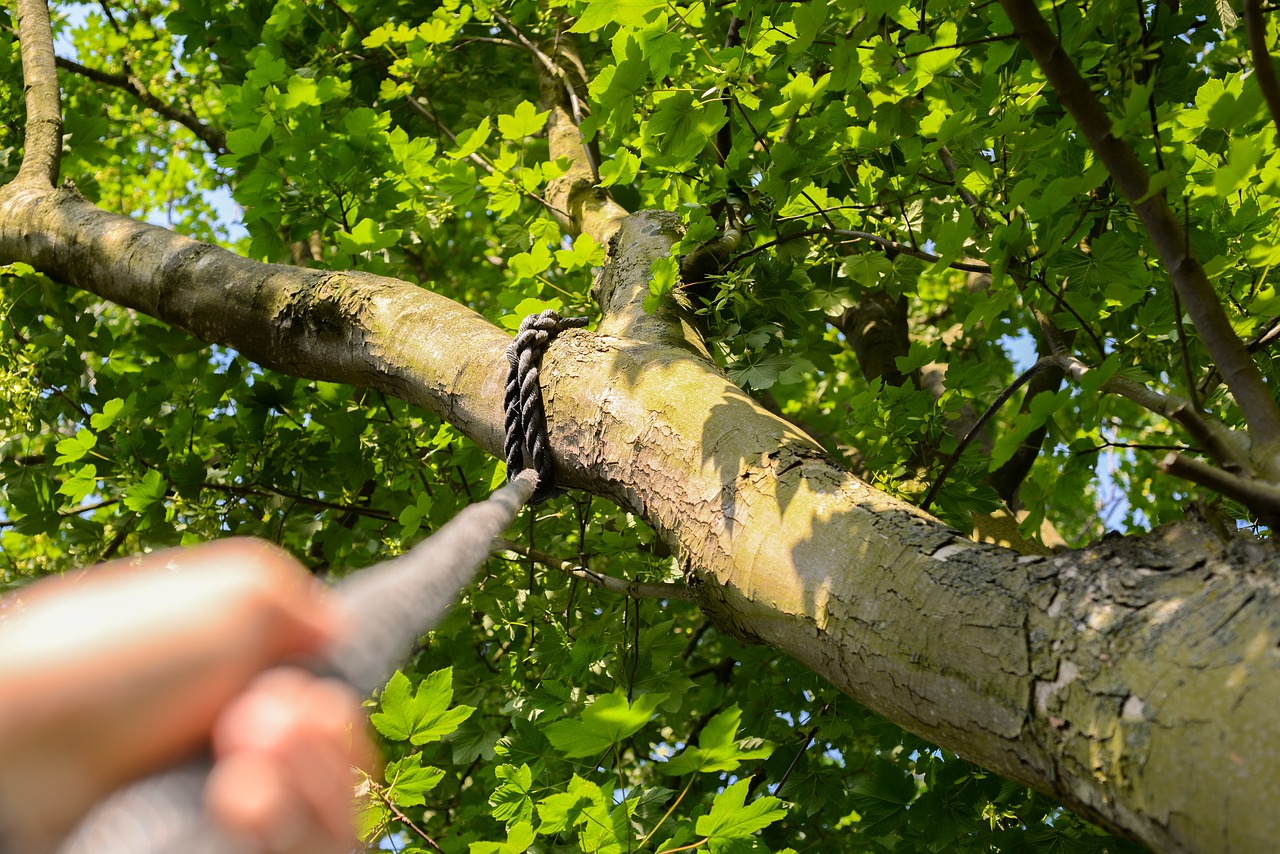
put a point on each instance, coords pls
(525, 443)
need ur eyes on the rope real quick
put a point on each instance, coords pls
(526, 444)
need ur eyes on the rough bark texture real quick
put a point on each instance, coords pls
(1136, 680)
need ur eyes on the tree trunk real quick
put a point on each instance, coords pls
(1135, 680)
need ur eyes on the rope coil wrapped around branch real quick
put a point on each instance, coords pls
(525, 444)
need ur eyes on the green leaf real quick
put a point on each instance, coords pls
(525, 121)
(583, 802)
(513, 799)
(520, 837)
(681, 127)
(663, 273)
(585, 253)
(72, 449)
(731, 818)
(604, 723)
(111, 410)
(1241, 163)
(79, 485)
(422, 717)
(717, 750)
(601, 13)
(408, 780)
(146, 493)
(469, 141)
(368, 236)
(245, 141)
(531, 264)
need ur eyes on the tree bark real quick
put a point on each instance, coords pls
(1135, 680)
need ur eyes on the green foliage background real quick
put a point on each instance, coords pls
(404, 139)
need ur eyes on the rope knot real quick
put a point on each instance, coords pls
(525, 444)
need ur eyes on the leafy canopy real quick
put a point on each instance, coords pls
(884, 156)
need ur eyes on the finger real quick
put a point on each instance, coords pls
(312, 731)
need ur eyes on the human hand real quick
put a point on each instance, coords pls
(283, 751)
(111, 674)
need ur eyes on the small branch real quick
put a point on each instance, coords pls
(850, 236)
(430, 116)
(215, 139)
(976, 429)
(549, 66)
(1215, 439)
(949, 163)
(1239, 370)
(1129, 446)
(724, 136)
(1067, 307)
(1267, 335)
(906, 249)
(305, 501)
(1008, 479)
(1262, 498)
(1263, 66)
(381, 793)
(42, 143)
(633, 589)
(1183, 351)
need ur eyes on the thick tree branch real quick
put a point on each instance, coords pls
(1188, 276)
(215, 139)
(574, 197)
(326, 325)
(1017, 663)
(42, 145)
(1263, 66)
(878, 332)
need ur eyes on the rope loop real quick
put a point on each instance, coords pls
(525, 443)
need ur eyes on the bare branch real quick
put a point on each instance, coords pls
(42, 144)
(1260, 497)
(633, 589)
(1211, 436)
(215, 139)
(848, 236)
(1238, 369)
(986, 416)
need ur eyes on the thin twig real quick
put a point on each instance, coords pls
(949, 163)
(1211, 436)
(215, 139)
(633, 589)
(1184, 351)
(850, 236)
(978, 425)
(547, 62)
